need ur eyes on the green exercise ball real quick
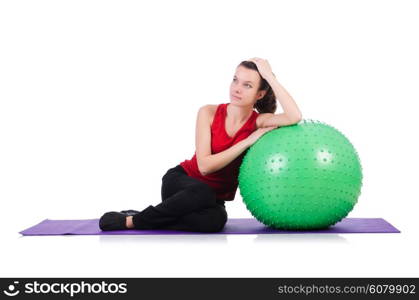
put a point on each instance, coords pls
(304, 176)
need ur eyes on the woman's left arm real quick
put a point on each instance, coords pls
(292, 113)
(288, 104)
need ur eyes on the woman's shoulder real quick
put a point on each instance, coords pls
(211, 107)
(210, 110)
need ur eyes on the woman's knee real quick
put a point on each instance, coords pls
(172, 182)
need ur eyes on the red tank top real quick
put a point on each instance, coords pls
(225, 180)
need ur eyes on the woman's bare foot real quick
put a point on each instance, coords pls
(129, 223)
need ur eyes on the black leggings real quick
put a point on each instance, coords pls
(187, 204)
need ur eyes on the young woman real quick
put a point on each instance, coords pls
(194, 192)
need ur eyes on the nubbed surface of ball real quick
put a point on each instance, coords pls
(299, 177)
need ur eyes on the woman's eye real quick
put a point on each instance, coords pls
(234, 79)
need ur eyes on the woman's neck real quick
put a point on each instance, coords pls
(238, 114)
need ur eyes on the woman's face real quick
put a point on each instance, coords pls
(244, 87)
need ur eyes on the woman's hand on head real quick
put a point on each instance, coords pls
(263, 66)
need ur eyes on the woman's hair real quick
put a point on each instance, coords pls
(267, 104)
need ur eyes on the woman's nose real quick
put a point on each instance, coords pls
(236, 89)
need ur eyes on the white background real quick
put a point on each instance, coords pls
(99, 98)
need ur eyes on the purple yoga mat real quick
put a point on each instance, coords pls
(233, 226)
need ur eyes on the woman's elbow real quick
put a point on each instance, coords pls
(202, 172)
(297, 118)
(202, 169)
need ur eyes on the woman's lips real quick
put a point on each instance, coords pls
(236, 97)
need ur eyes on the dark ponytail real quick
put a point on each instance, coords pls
(268, 103)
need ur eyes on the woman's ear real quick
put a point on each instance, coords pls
(261, 94)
